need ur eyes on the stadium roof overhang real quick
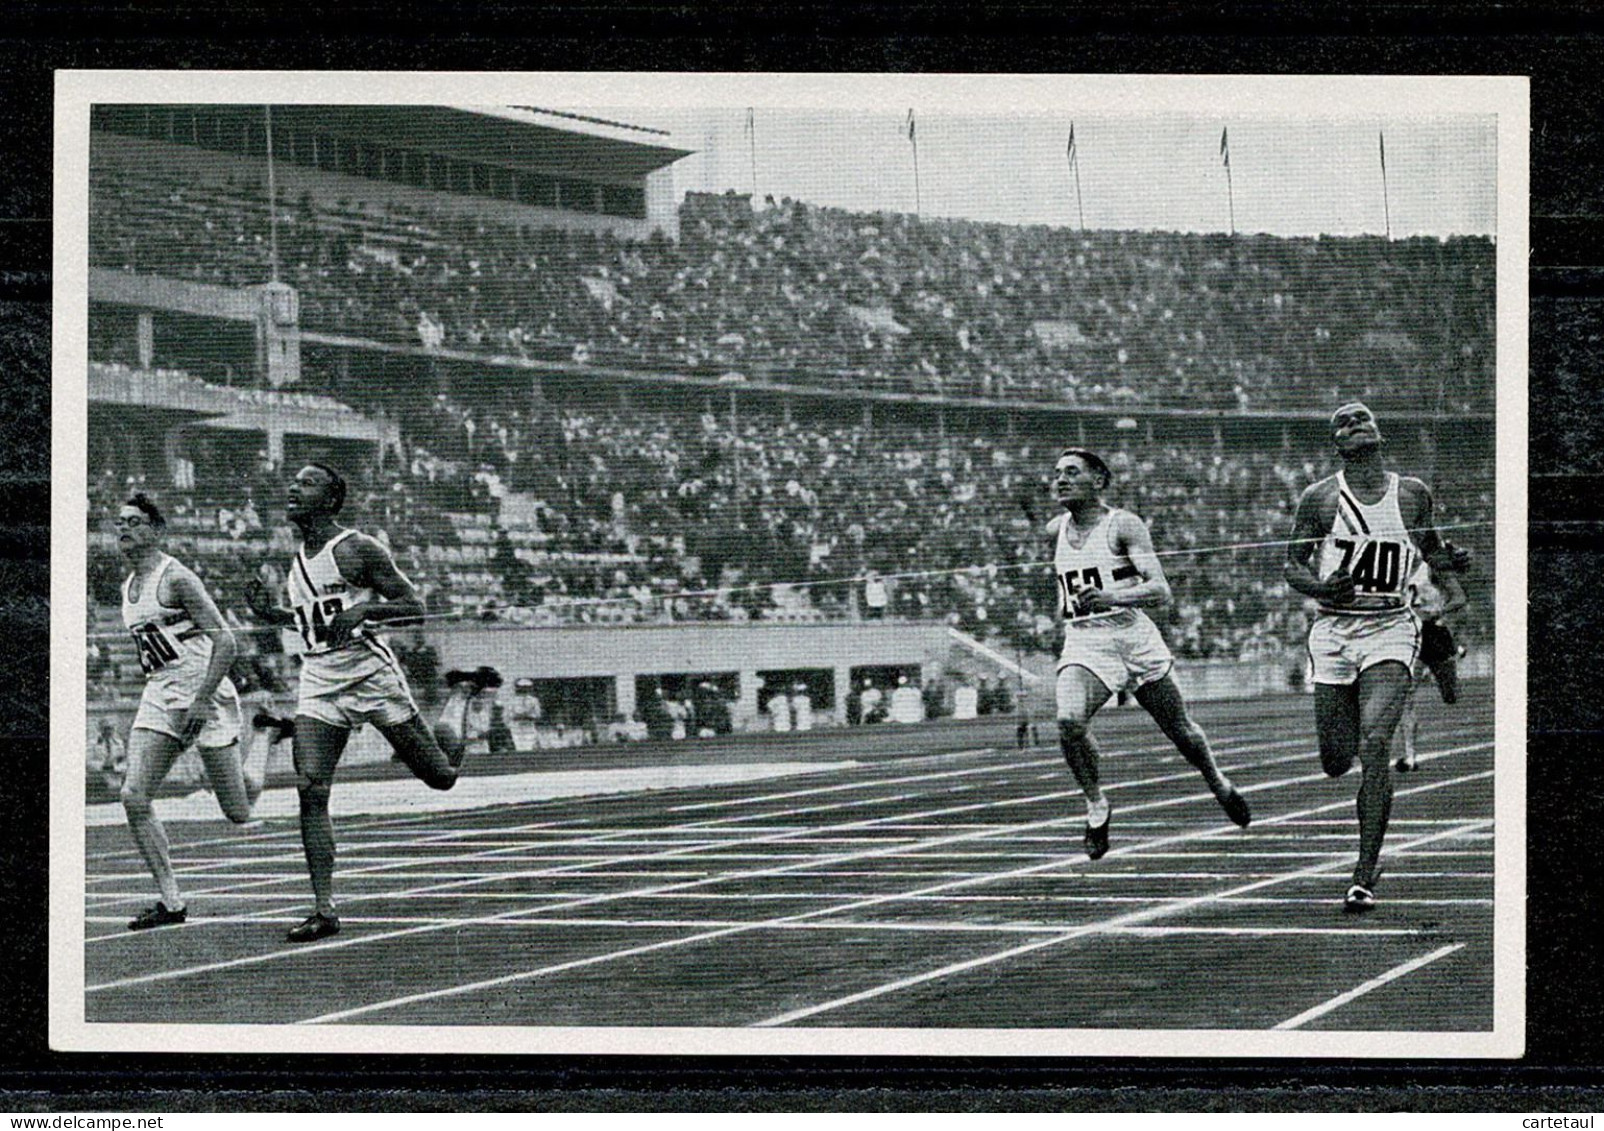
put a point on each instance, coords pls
(510, 138)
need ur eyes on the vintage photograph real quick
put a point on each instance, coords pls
(777, 563)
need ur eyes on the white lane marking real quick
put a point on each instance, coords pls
(1363, 988)
(667, 944)
(1002, 764)
(592, 836)
(869, 925)
(676, 853)
(787, 833)
(341, 943)
(1129, 919)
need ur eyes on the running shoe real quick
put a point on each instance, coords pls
(1236, 808)
(157, 915)
(1406, 764)
(317, 926)
(1359, 900)
(1097, 839)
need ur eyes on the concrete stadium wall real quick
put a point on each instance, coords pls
(623, 653)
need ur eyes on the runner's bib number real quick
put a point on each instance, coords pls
(156, 651)
(314, 624)
(1072, 581)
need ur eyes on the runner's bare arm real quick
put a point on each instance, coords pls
(1420, 516)
(1131, 538)
(368, 565)
(1316, 509)
(260, 600)
(1453, 594)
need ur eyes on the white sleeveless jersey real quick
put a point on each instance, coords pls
(167, 639)
(1373, 545)
(319, 592)
(1093, 565)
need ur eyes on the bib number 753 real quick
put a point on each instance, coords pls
(1072, 581)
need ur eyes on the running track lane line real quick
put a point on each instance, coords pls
(667, 944)
(1253, 744)
(768, 838)
(689, 850)
(825, 861)
(710, 823)
(714, 823)
(1375, 983)
(1129, 919)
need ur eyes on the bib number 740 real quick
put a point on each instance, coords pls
(1376, 565)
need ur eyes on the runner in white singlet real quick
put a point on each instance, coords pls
(1431, 604)
(1107, 574)
(341, 586)
(185, 650)
(1371, 529)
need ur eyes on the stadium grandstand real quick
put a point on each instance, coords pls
(569, 401)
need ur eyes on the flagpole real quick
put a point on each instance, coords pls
(1074, 164)
(272, 192)
(918, 204)
(1386, 205)
(1080, 209)
(1230, 198)
(1230, 188)
(751, 137)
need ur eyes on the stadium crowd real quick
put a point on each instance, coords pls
(614, 516)
(506, 509)
(802, 294)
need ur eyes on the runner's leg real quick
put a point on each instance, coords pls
(1162, 700)
(1336, 723)
(1080, 695)
(225, 769)
(318, 746)
(150, 756)
(1381, 691)
(416, 746)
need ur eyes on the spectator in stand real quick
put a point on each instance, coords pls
(801, 706)
(871, 703)
(875, 597)
(658, 716)
(965, 701)
(907, 705)
(778, 705)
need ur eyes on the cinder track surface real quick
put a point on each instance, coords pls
(920, 890)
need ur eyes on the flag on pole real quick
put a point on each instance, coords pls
(910, 124)
(1382, 139)
(1225, 147)
(751, 120)
(1070, 151)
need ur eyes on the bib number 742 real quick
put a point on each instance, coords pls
(313, 619)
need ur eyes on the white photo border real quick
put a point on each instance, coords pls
(1507, 99)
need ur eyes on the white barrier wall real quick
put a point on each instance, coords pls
(624, 653)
